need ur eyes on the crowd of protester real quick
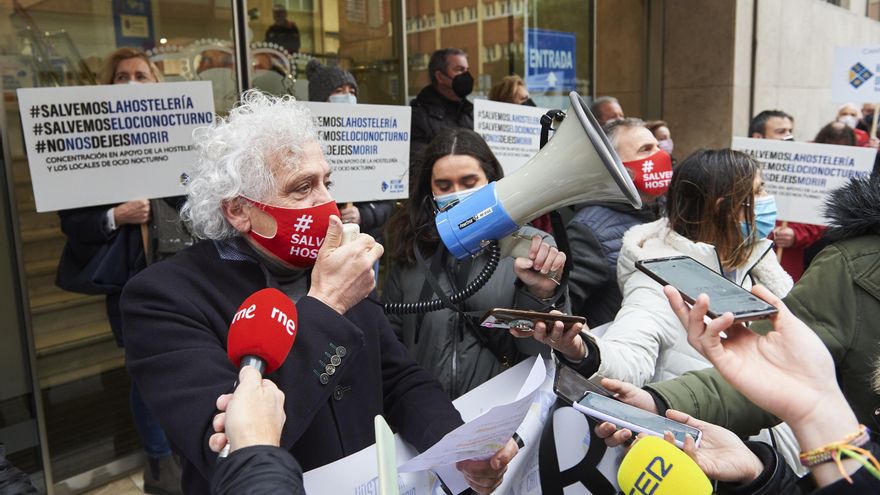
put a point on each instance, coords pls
(809, 374)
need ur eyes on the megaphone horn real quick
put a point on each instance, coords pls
(571, 168)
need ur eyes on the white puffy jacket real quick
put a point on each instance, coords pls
(646, 342)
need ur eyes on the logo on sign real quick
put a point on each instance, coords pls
(393, 186)
(858, 75)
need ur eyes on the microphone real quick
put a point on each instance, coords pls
(262, 331)
(654, 466)
(261, 334)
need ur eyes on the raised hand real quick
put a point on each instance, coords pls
(343, 275)
(543, 260)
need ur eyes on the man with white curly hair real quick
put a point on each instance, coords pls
(259, 197)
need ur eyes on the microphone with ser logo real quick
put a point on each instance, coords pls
(261, 333)
(654, 466)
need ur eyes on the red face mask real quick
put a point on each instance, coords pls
(299, 232)
(651, 175)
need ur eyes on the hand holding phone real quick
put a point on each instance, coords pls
(525, 321)
(635, 419)
(691, 278)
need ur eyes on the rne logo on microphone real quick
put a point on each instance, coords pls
(245, 313)
(281, 317)
(649, 479)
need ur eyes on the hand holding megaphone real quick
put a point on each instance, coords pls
(578, 164)
(539, 267)
(343, 275)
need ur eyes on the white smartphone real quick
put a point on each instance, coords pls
(635, 419)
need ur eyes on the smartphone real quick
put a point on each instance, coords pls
(525, 320)
(570, 386)
(635, 419)
(692, 278)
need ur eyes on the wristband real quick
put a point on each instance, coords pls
(849, 447)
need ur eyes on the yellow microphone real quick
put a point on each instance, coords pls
(654, 466)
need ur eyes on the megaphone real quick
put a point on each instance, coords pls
(576, 165)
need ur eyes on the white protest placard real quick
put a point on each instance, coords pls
(367, 148)
(583, 464)
(801, 175)
(96, 145)
(513, 132)
(856, 75)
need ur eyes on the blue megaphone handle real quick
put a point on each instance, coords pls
(478, 218)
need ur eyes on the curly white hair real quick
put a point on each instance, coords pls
(236, 155)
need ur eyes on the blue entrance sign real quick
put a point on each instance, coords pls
(550, 60)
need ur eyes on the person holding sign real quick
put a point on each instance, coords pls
(450, 343)
(335, 85)
(258, 194)
(792, 238)
(87, 230)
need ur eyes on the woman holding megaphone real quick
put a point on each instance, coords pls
(449, 343)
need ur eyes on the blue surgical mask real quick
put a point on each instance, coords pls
(446, 201)
(343, 98)
(765, 217)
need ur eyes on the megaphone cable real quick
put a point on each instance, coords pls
(493, 254)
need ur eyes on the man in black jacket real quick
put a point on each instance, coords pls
(259, 196)
(441, 104)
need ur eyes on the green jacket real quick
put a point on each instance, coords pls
(839, 298)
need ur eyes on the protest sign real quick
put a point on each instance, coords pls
(513, 132)
(367, 148)
(95, 145)
(801, 175)
(561, 452)
(856, 76)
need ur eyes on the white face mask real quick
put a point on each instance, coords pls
(851, 121)
(343, 98)
(446, 201)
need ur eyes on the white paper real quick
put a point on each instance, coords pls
(356, 474)
(481, 437)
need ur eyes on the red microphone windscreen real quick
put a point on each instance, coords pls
(264, 326)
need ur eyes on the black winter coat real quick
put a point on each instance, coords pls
(432, 113)
(176, 316)
(258, 470)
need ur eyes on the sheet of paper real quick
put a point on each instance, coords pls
(481, 437)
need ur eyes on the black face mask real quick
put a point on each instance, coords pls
(463, 84)
(529, 103)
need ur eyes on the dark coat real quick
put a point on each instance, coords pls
(432, 113)
(258, 470)
(595, 236)
(462, 356)
(87, 231)
(176, 317)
